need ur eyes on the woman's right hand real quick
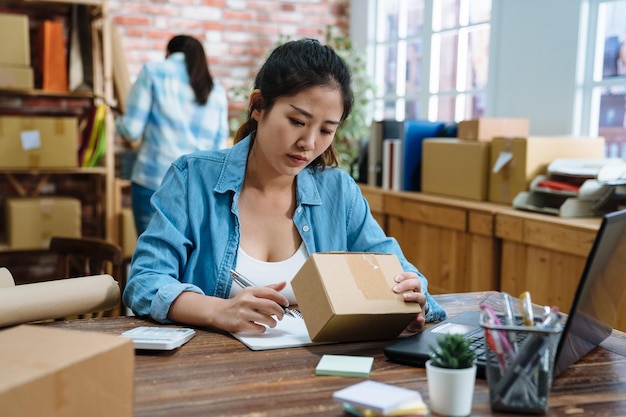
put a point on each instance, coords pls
(249, 311)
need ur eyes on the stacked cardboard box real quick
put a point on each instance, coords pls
(33, 221)
(456, 168)
(15, 67)
(460, 167)
(38, 142)
(515, 162)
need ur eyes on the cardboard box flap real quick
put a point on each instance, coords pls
(367, 284)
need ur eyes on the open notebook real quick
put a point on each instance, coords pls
(289, 332)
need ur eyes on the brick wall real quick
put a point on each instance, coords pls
(236, 34)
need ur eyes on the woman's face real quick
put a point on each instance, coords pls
(297, 129)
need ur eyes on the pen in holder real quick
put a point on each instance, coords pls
(520, 379)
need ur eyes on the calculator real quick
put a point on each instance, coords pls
(159, 338)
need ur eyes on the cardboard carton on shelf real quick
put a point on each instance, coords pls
(65, 373)
(486, 129)
(515, 162)
(16, 77)
(456, 168)
(38, 142)
(15, 45)
(32, 221)
(347, 297)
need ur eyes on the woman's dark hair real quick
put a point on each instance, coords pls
(293, 67)
(200, 77)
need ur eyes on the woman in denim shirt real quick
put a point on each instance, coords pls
(262, 207)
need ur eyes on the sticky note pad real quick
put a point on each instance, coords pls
(344, 365)
(377, 396)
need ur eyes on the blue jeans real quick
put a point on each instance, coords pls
(142, 210)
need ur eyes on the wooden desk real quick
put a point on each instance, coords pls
(215, 375)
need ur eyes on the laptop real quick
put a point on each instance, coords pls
(590, 320)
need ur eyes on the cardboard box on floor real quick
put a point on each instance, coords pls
(456, 168)
(38, 142)
(515, 162)
(56, 372)
(32, 221)
(347, 297)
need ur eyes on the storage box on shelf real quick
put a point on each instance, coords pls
(516, 161)
(456, 168)
(15, 65)
(37, 175)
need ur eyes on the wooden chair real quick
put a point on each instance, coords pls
(78, 257)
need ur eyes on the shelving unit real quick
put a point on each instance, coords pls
(98, 183)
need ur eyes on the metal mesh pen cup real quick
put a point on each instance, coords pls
(520, 376)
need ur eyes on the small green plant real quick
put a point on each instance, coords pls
(452, 352)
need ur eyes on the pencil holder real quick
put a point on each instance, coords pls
(520, 361)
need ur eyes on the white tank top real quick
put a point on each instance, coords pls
(265, 273)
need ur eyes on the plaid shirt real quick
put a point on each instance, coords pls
(161, 109)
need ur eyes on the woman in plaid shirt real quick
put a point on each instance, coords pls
(175, 107)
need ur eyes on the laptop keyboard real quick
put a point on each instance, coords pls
(477, 344)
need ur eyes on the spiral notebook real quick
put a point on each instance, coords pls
(289, 332)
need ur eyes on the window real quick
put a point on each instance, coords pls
(431, 58)
(603, 84)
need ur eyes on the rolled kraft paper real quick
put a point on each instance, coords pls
(6, 279)
(60, 298)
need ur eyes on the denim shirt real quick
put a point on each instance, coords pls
(191, 242)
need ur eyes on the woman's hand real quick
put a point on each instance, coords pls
(249, 311)
(410, 286)
(254, 306)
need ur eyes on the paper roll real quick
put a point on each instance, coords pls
(59, 298)
(6, 279)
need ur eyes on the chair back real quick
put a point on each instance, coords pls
(80, 257)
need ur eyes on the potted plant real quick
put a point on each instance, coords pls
(451, 375)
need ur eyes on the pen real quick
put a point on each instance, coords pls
(500, 337)
(245, 282)
(526, 306)
(509, 319)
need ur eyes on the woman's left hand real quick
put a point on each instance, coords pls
(410, 286)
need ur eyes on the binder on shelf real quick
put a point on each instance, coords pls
(80, 65)
(52, 56)
(392, 164)
(93, 144)
(406, 159)
(415, 131)
(381, 131)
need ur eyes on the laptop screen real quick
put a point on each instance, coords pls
(600, 294)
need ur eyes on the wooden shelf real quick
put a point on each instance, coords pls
(46, 171)
(51, 94)
(28, 182)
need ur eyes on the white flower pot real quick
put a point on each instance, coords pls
(451, 391)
